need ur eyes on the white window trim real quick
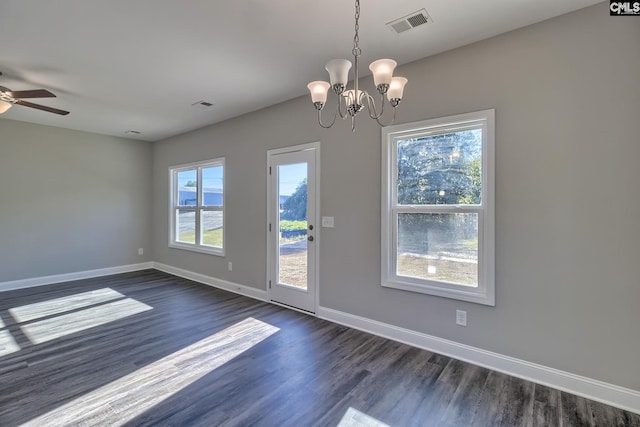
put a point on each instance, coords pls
(484, 293)
(173, 193)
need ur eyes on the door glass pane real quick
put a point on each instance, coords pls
(292, 225)
(186, 226)
(442, 169)
(442, 247)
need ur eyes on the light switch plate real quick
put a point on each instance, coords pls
(327, 221)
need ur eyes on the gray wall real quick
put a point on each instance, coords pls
(567, 103)
(71, 201)
(567, 100)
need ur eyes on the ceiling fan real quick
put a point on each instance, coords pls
(9, 97)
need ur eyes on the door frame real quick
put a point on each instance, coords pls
(270, 220)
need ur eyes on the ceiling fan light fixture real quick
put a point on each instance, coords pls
(9, 97)
(4, 106)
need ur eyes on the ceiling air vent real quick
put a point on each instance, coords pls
(410, 21)
(203, 105)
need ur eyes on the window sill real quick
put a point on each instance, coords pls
(476, 295)
(200, 249)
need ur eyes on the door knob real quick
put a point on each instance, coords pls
(310, 238)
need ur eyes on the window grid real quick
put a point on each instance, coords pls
(180, 206)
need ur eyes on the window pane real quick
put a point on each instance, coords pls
(187, 188)
(211, 227)
(442, 247)
(443, 169)
(186, 226)
(212, 186)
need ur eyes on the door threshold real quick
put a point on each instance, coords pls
(281, 304)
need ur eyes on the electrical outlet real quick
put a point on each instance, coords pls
(230, 266)
(140, 251)
(461, 317)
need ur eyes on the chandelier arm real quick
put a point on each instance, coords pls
(339, 107)
(322, 124)
(372, 107)
(393, 119)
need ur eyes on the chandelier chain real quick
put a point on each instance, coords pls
(356, 38)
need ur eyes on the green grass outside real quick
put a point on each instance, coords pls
(209, 237)
(288, 225)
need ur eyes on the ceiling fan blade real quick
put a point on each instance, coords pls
(36, 93)
(41, 107)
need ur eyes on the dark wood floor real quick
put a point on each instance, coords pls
(175, 353)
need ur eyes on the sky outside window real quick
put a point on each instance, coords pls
(211, 177)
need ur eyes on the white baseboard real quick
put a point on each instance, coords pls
(609, 394)
(67, 277)
(212, 281)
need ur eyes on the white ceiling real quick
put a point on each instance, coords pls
(122, 65)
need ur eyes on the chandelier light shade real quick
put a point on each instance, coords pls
(351, 98)
(382, 70)
(338, 71)
(4, 106)
(396, 88)
(318, 91)
(350, 102)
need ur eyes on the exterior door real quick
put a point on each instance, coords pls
(292, 238)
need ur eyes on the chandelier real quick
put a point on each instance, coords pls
(351, 102)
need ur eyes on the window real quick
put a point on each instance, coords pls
(196, 220)
(438, 208)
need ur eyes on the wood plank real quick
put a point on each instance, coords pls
(196, 358)
(546, 407)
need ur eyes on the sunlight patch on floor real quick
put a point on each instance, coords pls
(66, 324)
(51, 307)
(355, 418)
(7, 344)
(122, 400)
